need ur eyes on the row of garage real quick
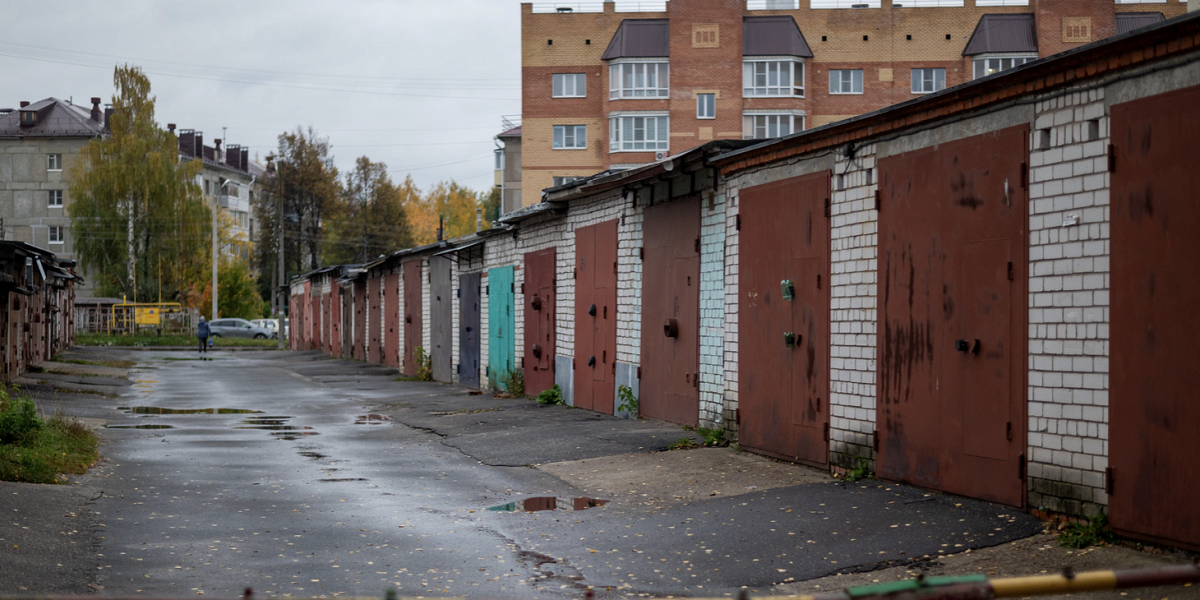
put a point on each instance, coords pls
(984, 291)
(37, 314)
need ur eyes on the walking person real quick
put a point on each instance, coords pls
(202, 332)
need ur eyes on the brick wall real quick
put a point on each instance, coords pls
(712, 310)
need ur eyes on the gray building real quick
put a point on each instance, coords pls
(39, 143)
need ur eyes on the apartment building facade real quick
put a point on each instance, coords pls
(605, 89)
(230, 182)
(39, 143)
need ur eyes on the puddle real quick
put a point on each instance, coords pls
(158, 410)
(549, 503)
(313, 455)
(342, 479)
(292, 435)
(139, 427)
(371, 419)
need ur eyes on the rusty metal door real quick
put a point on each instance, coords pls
(347, 312)
(1154, 415)
(596, 316)
(308, 315)
(391, 320)
(441, 312)
(540, 301)
(952, 339)
(374, 310)
(468, 329)
(783, 312)
(414, 294)
(327, 323)
(669, 384)
(335, 321)
(360, 319)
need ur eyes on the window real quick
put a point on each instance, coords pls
(846, 81)
(988, 66)
(569, 85)
(570, 137)
(56, 234)
(926, 81)
(706, 106)
(499, 152)
(207, 187)
(766, 126)
(564, 180)
(53, 162)
(638, 80)
(55, 198)
(772, 78)
(639, 133)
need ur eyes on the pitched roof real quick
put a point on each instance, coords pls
(776, 35)
(1127, 22)
(640, 38)
(1003, 33)
(514, 132)
(56, 118)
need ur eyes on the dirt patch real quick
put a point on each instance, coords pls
(1036, 555)
(681, 476)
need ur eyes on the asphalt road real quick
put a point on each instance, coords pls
(294, 474)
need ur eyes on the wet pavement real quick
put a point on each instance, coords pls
(296, 474)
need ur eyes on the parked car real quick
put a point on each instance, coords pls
(272, 324)
(239, 328)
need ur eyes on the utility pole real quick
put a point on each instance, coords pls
(280, 276)
(214, 253)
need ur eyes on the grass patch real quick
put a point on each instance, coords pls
(148, 341)
(114, 364)
(36, 449)
(551, 396)
(514, 383)
(1083, 535)
(859, 472)
(684, 443)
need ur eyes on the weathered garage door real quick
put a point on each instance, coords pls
(596, 316)
(501, 322)
(413, 297)
(374, 329)
(441, 311)
(539, 321)
(1154, 414)
(671, 313)
(468, 329)
(347, 312)
(952, 339)
(783, 312)
(360, 318)
(335, 320)
(391, 320)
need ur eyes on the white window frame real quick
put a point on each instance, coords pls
(55, 234)
(1012, 60)
(932, 76)
(568, 85)
(755, 121)
(54, 198)
(564, 179)
(54, 162)
(856, 77)
(706, 105)
(772, 77)
(570, 137)
(634, 125)
(640, 73)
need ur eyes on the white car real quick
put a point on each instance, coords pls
(272, 324)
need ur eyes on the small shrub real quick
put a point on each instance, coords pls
(712, 437)
(551, 396)
(514, 382)
(19, 419)
(1080, 535)
(629, 402)
(684, 443)
(859, 472)
(424, 364)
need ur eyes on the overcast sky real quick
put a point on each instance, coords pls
(419, 85)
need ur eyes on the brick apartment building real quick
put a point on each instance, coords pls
(604, 89)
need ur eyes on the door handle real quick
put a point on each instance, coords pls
(671, 328)
(790, 339)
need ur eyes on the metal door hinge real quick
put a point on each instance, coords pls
(522, 288)
(737, 416)
(458, 293)
(642, 253)
(1021, 466)
(1112, 158)
(827, 208)
(875, 440)
(1008, 431)
(696, 380)
(1024, 175)
(614, 267)
(639, 372)
(738, 224)
(825, 432)
(878, 199)
(1109, 480)
(1010, 271)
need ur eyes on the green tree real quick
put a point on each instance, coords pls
(140, 223)
(454, 204)
(370, 219)
(490, 201)
(238, 297)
